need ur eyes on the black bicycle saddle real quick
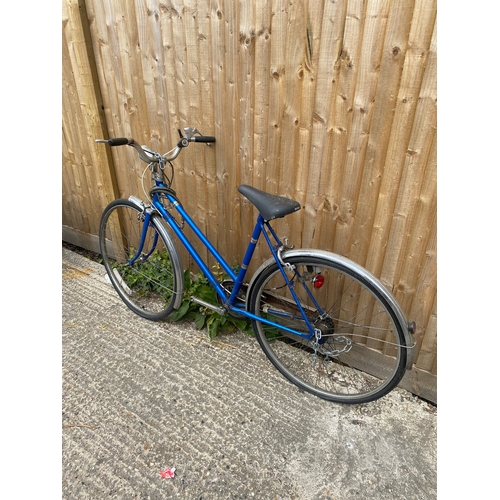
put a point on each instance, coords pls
(270, 206)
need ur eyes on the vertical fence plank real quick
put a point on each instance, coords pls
(296, 40)
(206, 116)
(320, 186)
(246, 110)
(276, 93)
(194, 165)
(262, 83)
(349, 66)
(311, 75)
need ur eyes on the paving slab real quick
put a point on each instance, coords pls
(141, 396)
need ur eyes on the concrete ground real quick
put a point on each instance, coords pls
(140, 396)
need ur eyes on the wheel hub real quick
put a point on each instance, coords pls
(327, 343)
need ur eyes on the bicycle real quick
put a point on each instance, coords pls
(328, 325)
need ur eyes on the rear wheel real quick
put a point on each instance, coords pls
(149, 284)
(358, 353)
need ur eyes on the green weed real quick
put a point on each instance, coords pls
(204, 317)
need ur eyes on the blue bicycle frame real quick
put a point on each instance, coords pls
(238, 279)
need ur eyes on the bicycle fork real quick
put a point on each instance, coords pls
(145, 215)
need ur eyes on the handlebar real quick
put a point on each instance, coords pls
(120, 141)
(203, 138)
(150, 156)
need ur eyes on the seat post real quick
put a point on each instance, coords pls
(247, 258)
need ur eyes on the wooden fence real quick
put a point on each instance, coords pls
(330, 102)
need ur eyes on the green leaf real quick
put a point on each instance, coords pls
(241, 324)
(181, 312)
(213, 329)
(227, 328)
(199, 320)
(190, 316)
(206, 293)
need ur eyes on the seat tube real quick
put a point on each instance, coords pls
(247, 258)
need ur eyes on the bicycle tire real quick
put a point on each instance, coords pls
(362, 353)
(151, 286)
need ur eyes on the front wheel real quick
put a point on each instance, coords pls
(358, 351)
(148, 281)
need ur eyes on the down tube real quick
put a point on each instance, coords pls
(192, 251)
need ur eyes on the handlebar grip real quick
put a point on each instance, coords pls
(203, 138)
(120, 141)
